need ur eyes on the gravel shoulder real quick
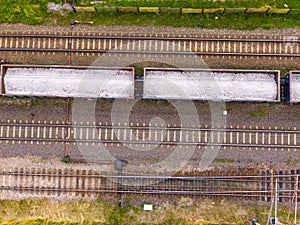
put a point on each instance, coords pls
(288, 32)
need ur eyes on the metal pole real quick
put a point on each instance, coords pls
(296, 199)
(271, 209)
(276, 196)
(70, 46)
(120, 189)
(72, 24)
(272, 183)
(119, 165)
(272, 196)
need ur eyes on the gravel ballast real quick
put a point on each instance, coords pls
(288, 33)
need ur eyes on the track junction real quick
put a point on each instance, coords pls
(262, 186)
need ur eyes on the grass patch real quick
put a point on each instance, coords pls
(35, 12)
(200, 3)
(223, 161)
(138, 70)
(22, 11)
(292, 161)
(98, 212)
(261, 111)
(230, 21)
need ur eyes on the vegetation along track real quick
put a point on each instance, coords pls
(262, 186)
(141, 134)
(213, 45)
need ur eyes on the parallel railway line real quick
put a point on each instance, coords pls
(88, 183)
(157, 135)
(93, 44)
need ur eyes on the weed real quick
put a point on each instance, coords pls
(139, 70)
(158, 160)
(293, 161)
(122, 215)
(261, 111)
(127, 200)
(223, 160)
(171, 220)
(34, 102)
(99, 199)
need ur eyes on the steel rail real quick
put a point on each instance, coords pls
(207, 144)
(151, 38)
(96, 126)
(152, 52)
(242, 193)
(186, 178)
(182, 143)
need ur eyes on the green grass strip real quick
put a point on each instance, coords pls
(178, 211)
(230, 21)
(34, 12)
(295, 11)
(235, 10)
(127, 9)
(170, 10)
(201, 3)
(106, 9)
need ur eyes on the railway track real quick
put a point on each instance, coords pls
(88, 183)
(166, 44)
(156, 135)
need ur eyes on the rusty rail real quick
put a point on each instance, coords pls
(57, 181)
